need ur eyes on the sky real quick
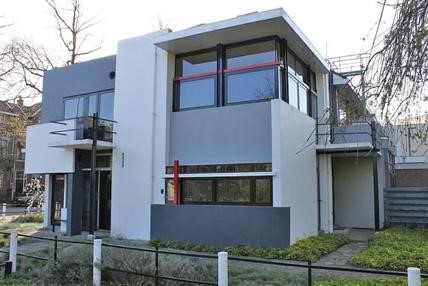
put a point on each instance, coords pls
(335, 27)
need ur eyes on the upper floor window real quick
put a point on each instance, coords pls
(195, 81)
(251, 72)
(73, 107)
(301, 85)
(227, 74)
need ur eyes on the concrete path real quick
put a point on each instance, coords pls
(342, 255)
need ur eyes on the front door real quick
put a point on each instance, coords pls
(102, 197)
(58, 182)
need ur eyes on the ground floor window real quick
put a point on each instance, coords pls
(219, 190)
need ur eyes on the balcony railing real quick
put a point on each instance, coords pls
(81, 128)
(362, 133)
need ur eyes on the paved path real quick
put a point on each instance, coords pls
(342, 255)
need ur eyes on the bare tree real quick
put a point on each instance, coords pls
(23, 63)
(395, 79)
(73, 28)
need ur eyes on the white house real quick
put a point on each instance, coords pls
(231, 116)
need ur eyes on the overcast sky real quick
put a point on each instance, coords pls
(335, 27)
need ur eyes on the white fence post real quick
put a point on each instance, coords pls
(4, 210)
(413, 276)
(13, 247)
(222, 269)
(96, 272)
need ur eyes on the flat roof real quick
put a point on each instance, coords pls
(242, 28)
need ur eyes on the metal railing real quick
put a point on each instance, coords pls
(4, 211)
(156, 276)
(413, 273)
(354, 132)
(83, 126)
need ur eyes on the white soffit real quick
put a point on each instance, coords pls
(242, 28)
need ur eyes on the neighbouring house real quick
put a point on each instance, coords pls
(231, 117)
(411, 138)
(12, 145)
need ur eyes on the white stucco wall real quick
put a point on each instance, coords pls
(326, 192)
(42, 159)
(353, 192)
(294, 162)
(139, 65)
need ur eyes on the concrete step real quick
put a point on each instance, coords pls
(406, 207)
(399, 195)
(406, 220)
(405, 201)
(406, 189)
(412, 214)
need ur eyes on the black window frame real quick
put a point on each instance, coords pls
(214, 181)
(220, 89)
(178, 78)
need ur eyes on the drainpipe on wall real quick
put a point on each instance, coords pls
(375, 177)
(176, 182)
(318, 196)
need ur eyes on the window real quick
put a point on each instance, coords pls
(251, 72)
(73, 107)
(223, 168)
(195, 80)
(196, 93)
(233, 190)
(300, 81)
(86, 105)
(197, 190)
(251, 86)
(227, 74)
(263, 190)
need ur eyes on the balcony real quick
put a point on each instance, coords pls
(354, 136)
(77, 133)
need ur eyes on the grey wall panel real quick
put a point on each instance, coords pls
(222, 226)
(76, 79)
(230, 134)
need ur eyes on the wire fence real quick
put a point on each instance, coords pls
(306, 268)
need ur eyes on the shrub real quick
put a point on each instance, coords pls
(74, 265)
(395, 249)
(311, 248)
(365, 282)
(33, 218)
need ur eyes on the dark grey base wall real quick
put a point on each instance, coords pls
(222, 226)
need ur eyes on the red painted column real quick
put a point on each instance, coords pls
(176, 182)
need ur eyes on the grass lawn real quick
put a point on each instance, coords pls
(311, 248)
(395, 249)
(23, 224)
(365, 282)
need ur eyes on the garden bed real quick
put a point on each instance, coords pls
(395, 249)
(308, 249)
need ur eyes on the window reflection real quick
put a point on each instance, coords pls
(249, 86)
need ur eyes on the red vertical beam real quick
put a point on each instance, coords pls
(176, 182)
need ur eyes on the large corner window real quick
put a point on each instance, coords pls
(298, 83)
(195, 80)
(251, 72)
(218, 190)
(227, 74)
(82, 107)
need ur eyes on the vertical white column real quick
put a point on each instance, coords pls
(413, 276)
(13, 247)
(222, 269)
(46, 203)
(4, 210)
(96, 274)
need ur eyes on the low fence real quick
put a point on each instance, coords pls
(7, 210)
(222, 258)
